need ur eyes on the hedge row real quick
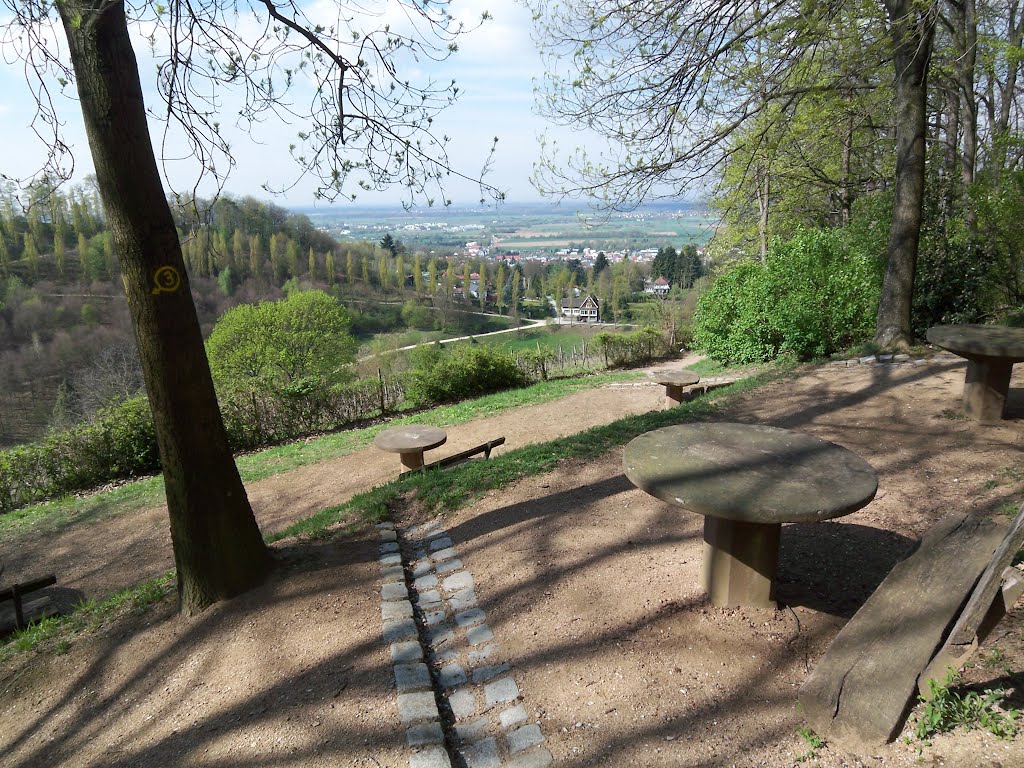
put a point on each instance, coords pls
(118, 442)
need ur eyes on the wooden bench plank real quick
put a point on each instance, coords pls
(447, 461)
(994, 594)
(27, 586)
(967, 625)
(859, 692)
(33, 610)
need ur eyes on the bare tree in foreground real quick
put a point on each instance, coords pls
(363, 126)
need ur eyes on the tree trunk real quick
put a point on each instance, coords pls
(968, 109)
(912, 27)
(218, 549)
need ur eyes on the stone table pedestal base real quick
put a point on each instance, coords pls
(740, 562)
(986, 388)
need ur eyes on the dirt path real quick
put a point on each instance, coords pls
(104, 554)
(589, 586)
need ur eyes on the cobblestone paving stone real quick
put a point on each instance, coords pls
(430, 617)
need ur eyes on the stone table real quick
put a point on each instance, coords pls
(991, 351)
(410, 442)
(674, 381)
(747, 480)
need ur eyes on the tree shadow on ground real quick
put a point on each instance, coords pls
(858, 560)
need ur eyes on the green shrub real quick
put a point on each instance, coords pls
(119, 441)
(946, 709)
(813, 295)
(731, 323)
(275, 365)
(636, 348)
(441, 375)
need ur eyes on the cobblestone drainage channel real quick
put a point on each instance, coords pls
(459, 703)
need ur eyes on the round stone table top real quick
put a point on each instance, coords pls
(996, 341)
(416, 437)
(678, 378)
(748, 472)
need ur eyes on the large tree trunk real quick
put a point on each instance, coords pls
(218, 549)
(912, 27)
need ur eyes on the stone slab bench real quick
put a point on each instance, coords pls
(457, 458)
(860, 692)
(21, 613)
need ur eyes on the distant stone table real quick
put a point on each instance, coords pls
(674, 381)
(410, 442)
(991, 351)
(746, 480)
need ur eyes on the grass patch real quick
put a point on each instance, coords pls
(812, 741)
(50, 515)
(149, 492)
(709, 367)
(448, 490)
(88, 617)
(947, 709)
(284, 458)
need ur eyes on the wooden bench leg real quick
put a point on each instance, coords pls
(740, 562)
(19, 614)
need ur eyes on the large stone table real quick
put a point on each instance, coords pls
(747, 480)
(674, 381)
(991, 351)
(410, 442)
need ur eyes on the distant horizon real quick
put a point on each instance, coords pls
(497, 206)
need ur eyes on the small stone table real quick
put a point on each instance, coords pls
(674, 381)
(747, 480)
(991, 351)
(410, 442)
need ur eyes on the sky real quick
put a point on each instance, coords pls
(496, 69)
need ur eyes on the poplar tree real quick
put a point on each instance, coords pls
(83, 256)
(31, 253)
(417, 274)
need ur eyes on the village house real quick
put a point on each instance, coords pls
(585, 311)
(659, 287)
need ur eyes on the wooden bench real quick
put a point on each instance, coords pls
(25, 612)
(447, 461)
(860, 692)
